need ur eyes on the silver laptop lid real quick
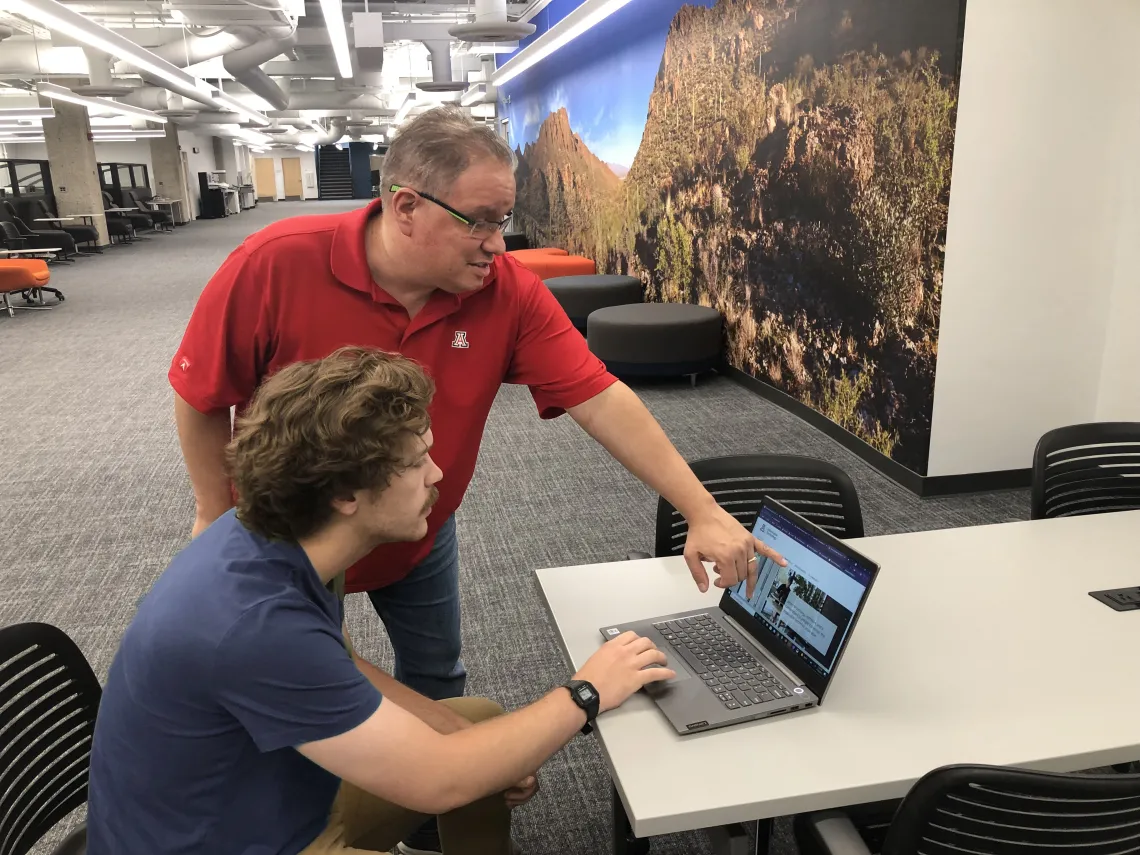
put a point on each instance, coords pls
(803, 613)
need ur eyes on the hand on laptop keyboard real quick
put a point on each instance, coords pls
(621, 667)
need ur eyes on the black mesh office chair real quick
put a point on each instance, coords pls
(1086, 469)
(39, 238)
(37, 208)
(815, 489)
(991, 810)
(48, 700)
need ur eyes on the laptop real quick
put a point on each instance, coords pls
(774, 653)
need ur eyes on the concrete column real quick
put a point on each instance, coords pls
(167, 173)
(71, 157)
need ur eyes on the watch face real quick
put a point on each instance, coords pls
(585, 694)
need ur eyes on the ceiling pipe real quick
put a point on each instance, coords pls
(245, 65)
(441, 79)
(191, 49)
(148, 97)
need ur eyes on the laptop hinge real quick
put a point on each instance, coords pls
(792, 678)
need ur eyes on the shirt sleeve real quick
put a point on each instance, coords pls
(283, 672)
(551, 356)
(227, 344)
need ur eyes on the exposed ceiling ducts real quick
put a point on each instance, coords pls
(245, 66)
(229, 66)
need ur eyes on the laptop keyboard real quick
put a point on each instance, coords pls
(730, 672)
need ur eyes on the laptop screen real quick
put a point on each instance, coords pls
(812, 602)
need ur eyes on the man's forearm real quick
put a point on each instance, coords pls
(432, 713)
(497, 753)
(203, 437)
(619, 421)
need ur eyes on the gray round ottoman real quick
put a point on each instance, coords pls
(656, 339)
(581, 295)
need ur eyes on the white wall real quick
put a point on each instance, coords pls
(125, 152)
(308, 168)
(1118, 398)
(1042, 168)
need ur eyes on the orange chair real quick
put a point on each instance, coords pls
(29, 278)
(548, 263)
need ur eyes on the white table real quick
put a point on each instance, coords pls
(977, 645)
(53, 219)
(175, 217)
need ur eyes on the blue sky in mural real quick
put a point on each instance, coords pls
(603, 78)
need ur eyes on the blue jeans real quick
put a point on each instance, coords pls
(421, 614)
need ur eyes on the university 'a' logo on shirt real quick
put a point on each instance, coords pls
(184, 364)
(460, 339)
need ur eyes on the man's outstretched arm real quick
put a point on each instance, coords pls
(620, 422)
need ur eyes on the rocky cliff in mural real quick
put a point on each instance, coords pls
(794, 172)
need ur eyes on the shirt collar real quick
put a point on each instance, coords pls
(349, 261)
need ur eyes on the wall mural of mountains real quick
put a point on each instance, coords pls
(786, 161)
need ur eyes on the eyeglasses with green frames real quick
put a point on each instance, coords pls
(481, 229)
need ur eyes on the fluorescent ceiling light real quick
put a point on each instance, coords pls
(27, 112)
(116, 139)
(585, 17)
(405, 108)
(58, 93)
(225, 102)
(303, 147)
(23, 140)
(58, 18)
(338, 36)
(100, 134)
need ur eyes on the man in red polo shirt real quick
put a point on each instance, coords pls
(422, 272)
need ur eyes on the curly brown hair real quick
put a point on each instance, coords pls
(323, 429)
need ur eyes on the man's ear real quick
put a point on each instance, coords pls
(347, 505)
(401, 206)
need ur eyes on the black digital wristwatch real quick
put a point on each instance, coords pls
(586, 697)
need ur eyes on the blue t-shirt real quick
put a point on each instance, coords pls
(235, 656)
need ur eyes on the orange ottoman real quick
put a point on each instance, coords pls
(547, 264)
(21, 274)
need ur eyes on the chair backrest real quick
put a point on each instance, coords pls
(108, 202)
(7, 212)
(38, 208)
(814, 489)
(11, 235)
(49, 697)
(1086, 469)
(990, 810)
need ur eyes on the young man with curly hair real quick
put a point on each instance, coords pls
(237, 721)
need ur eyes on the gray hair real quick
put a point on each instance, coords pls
(433, 149)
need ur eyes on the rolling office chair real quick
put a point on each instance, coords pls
(1086, 469)
(118, 224)
(80, 234)
(22, 275)
(48, 700)
(989, 810)
(814, 489)
(39, 238)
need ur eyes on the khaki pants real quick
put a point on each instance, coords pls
(361, 823)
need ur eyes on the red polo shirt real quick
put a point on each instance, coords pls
(301, 288)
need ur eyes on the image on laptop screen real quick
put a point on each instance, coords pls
(813, 600)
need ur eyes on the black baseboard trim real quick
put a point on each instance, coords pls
(921, 485)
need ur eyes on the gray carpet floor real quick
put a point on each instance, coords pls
(94, 501)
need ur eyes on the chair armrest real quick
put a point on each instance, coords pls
(634, 556)
(834, 833)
